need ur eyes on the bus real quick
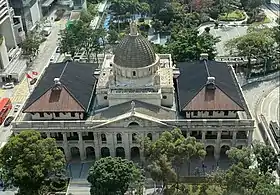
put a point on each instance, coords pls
(273, 125)
(5, 107)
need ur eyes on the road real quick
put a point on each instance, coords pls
(19, 94)
(270, 105)
(226, 33)
(254, 93)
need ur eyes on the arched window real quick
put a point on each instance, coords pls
(103, 138)
(134, 138)
(134, 73)
(119, 138)
(150, 136)
(133, 124)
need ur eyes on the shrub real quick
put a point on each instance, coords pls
(141, 19)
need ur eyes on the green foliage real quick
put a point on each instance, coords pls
(256, 44)
(30, 46)
(71, 38)
(114, 176)
(233, 16)
(244, 178)
(243, 156)
(186, 44)
(27, 161)
(113, 36)
(266, 157)
(81, 37)
(167, 154)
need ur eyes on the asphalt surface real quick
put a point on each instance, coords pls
(270, 105)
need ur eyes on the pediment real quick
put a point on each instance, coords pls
(136, 120)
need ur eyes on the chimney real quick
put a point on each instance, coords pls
(56, 81)
(210, 83)
(57, 85)
(204, 56)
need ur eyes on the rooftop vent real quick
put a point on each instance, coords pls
(57, 84)
(210, 83)
(204, 56)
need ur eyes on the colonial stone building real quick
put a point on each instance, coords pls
(95, 112)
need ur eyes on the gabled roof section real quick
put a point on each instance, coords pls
(193, 78)
(135, 115)
(212, 100)
(140, 107)
(75, 77)
(55, 100)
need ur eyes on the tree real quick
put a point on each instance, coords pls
(255, 44)
(243, 156)
(113, 176)
(186, 44)
(113, 36)
(242, 177)
(30, 46)
(171, 147)
(266, 157)
(71, 39)
(27, 160)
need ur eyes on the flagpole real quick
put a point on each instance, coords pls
(26, 73)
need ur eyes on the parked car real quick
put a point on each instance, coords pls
(8, 121)
(8, 86)
(46, 31)
(33, 81)
(16, 108)
(57, 50)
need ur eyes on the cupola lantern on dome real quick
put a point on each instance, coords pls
(134, 50)
(133, 29)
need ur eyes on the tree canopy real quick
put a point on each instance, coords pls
(114, 176)
(27, 160)
(166, 155)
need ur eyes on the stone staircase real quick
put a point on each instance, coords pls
(79, 187)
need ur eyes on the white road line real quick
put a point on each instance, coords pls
(238, 32)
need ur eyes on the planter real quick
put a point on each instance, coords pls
(236, 15)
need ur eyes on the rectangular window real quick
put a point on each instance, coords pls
(56, 114)
(210, 113)
(195, 113)
(72, 114)
(41, 114)
(226, 113)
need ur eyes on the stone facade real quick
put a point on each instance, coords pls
(137, 101)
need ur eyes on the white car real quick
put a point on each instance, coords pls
(17, 107)
(8, 86)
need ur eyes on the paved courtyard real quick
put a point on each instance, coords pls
(226, 33)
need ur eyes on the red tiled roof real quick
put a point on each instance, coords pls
(215, 99)
(55, 101)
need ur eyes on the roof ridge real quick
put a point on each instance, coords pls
(30, 104)
(74, 97)
(230, 97)
(186, 104)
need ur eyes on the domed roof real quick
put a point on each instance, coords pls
(134, 51)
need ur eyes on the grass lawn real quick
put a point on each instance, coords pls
(236, 15)
(265, 21)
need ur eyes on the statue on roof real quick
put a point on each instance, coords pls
(133, 28)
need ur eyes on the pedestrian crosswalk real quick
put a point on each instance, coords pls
(21, 92)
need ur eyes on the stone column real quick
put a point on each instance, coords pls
(219, 134)
(188, 133)
(217, 152)
(250, 137)
(65, 146)
(203, 136)
(126, 142)
(142, 157)
(234, 138)
(48, 134)
(112, 144)
(81, 146)
(97, 146)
